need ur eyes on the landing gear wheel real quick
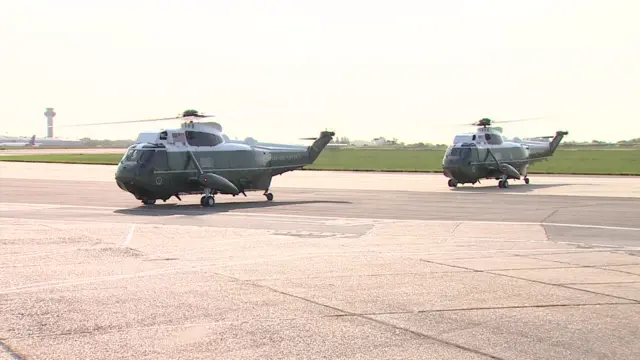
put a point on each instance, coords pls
(503, 184)
(207, 201)
(148, 201)
(452, 183)
(269, 196)
(526, 180)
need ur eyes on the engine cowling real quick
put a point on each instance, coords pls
(510, 171)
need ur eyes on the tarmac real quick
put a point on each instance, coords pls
(340, 265)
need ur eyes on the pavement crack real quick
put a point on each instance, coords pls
(542, 282)
(366, 317)
(565, 287)
(546, 234)
(455, 227)
(599, 267)
(480, 308)
(453, 266)
(549, 216)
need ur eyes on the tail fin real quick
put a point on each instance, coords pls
(555, 142)
(33, 140)
(319, 144)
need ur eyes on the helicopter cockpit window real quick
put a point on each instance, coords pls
(454, 151)
(197, 138)
(138, 155)
(131, 155)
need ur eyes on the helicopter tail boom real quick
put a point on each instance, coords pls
(319, 144)
(553, 146)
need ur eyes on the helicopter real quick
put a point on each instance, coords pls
(487, 154)
(198, 158)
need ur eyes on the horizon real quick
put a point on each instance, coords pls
(412, 70)
(336, 138)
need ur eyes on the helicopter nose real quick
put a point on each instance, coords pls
(450, 164)
(125, 175)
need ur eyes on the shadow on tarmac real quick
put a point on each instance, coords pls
(513, 188)
(220, 207)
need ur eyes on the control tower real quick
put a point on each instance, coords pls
(49, 114)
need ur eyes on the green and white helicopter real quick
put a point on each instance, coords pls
(487, 154)
(198, 158)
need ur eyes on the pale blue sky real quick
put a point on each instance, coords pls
(278, 70)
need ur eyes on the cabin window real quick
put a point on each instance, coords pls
(145, 156)
(496, 139)
(160, 160)
(198, 138)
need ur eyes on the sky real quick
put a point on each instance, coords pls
(279, 70)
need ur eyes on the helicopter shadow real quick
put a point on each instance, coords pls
(219, 207)
(513, 188)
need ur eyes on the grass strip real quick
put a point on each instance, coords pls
(582, 162)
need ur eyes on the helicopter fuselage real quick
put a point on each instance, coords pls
(460, 160)
(159, 172)
(486, 155)
(201, 161)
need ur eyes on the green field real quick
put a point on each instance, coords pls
(608, 162)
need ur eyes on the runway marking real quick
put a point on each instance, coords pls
(329, 219)
(605, 245)
(444, 221)
(129, 236)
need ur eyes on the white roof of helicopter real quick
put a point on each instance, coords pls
(153, 137)
(208, 127)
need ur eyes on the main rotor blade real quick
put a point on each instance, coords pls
(539, 137)
(516, 120)
(475, 123)
(175, 118)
